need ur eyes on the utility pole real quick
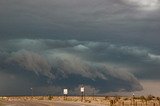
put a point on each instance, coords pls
(82, 93)
(133, 99)
(31, 92)
(93, 93)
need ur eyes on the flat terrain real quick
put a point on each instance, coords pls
(43, 103)
(76, 101)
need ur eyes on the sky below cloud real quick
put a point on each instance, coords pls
(109, 45)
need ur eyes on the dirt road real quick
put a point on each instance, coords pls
(20, 103)
(44, 103)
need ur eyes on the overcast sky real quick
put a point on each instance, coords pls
(107, 45)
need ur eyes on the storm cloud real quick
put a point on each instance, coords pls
(85, 19)
(100, 65)
(107, 45)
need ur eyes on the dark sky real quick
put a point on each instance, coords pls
(107, 45)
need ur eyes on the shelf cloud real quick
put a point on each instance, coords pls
(101, 65)
(107, 45)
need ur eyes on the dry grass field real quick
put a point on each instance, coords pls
(102, 101)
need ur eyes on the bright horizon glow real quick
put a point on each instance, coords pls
(146, 5)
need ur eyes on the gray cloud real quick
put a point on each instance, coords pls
(12, 84)
(116, 41)
(108, 19)
(31, 61)
(56, 61)
(80, 51)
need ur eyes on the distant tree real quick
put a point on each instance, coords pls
(158, 98)
(50, 97)
(106, 97)
(111, 102)
(142, 98)
(150, 97)
(116, 98)
(125, 98)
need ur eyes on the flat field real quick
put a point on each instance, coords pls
(77, 101)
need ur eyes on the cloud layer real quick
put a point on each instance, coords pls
(122, 20)
(117, 43)
(102, 66)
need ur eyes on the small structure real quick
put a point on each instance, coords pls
(65, 92)
(31, 91)
(82, 92)
(133, 101)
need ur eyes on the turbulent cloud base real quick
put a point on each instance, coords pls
(103, 66)
(117, 44)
